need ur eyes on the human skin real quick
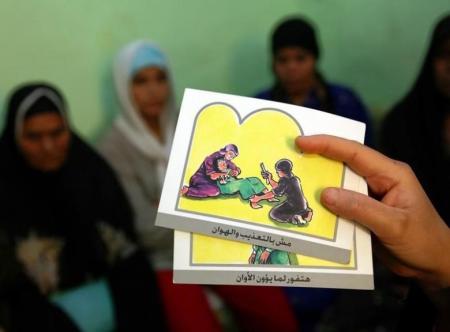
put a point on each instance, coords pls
(412, 239)
(295, 69)
(150, 91)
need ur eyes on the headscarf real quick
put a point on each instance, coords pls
(425, 83)
(132, 58)
(26, 101)
(230, 147)
(295, 32)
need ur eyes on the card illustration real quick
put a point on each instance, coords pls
(234, 173)
(207, 260)
(232, 179)
(264, 255)
(218, 176)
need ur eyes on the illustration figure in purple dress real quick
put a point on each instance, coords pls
(204, 182)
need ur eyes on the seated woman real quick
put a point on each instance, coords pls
(250, 188)
(417, 131)
(298, 79)
(138, 147)
(204, 182)
(68, 228)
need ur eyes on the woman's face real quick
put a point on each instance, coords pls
(44, 141)
(441, 66)
(229, 155)
(150, 92)
(295, 69)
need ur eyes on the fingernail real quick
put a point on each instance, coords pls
(330, 196)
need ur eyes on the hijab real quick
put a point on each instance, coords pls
(132, 58)
(295, 32)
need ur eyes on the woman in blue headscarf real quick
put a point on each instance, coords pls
(137, 146)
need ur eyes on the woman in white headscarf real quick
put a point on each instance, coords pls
(138, 144)
(137, 147)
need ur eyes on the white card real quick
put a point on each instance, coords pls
(207, 192)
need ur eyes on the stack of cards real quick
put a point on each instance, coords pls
(245, 203)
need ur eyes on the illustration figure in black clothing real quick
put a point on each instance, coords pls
(294, 209)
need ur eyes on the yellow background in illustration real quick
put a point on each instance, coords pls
(211, 250)
(265, 136)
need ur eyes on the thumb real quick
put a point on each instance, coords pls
(378, 217)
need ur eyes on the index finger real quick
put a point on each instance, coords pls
(360, 158)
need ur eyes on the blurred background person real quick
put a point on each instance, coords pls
(138, 146)
(417, 131)
(70, 261)
(297, 79)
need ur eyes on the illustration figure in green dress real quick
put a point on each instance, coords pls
(251, 188)
(263, 255)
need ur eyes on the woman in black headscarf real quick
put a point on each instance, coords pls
(64, 222)
(417, 131)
